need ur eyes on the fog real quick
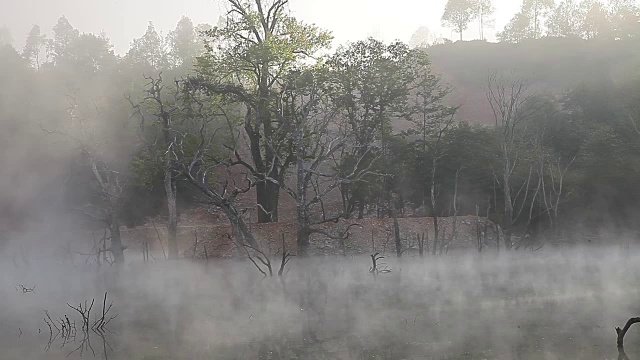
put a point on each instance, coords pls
(547, 305)
(339, 180)
(123, 21)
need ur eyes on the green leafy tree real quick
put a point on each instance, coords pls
(458, 14)
(484, 12)
(184, 43)
(370, 86)
(422, 38)
(431, 119)
(595, 20)
(536, 11)
(625, 18)
(247, 57)
(148, 51)
(33, 46)
(63, 35)
(90, 53)
(518, 29)
(317, 144)
(565, 20)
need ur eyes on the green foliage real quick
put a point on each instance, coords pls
(385, 98)
(246, 45)
(565, 20)
(619, 19)
(518, 29)
(625, 18)
(63, 35)
(458, 14)
(526, 24)
(596, 19)
(89, 53)
(33, 46)
(484, 11)
(148, 52)
(184, 43)
(536, 10)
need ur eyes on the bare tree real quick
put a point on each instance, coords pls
(196, 150)
(262, 260)
(454, 223)
(163, 113)
(437, 151)
(622, 332)
(318, 142)
(108, 184)
(508, 97)
(553, 189)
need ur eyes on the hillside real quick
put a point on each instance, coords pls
(364, 236)
(549, 64)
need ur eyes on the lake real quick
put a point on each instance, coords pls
(548, 304)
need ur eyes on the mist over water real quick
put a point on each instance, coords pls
(147, 177)
(542, 305)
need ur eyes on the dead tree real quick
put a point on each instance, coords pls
(378, 267)
(110, 191)
(198, 150)
(66, 331)
(100, 250)
(155, 228)
(25, 289)
(431, 121)
(286, 256)
(421, 242)
(318, 143)
(396, 231)
(479, 233)
(454, 224)
(622, 332)
(553, 193)
(437, 151)
(164, 113)
(534, 201)
(261, 260)
(108, 185)
(508, 98)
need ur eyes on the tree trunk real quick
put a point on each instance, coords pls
(436, 234)
(170, 178)
(117, 250)
(172, 224)
(508, 207)
(241, 231)
(267, 196)
(396, 231)
(267, 192)
(302, 221)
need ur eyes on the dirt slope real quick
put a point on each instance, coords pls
(365, 236)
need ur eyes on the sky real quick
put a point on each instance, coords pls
(349, 20)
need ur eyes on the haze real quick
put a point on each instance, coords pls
(349, 20)
(252, 191)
